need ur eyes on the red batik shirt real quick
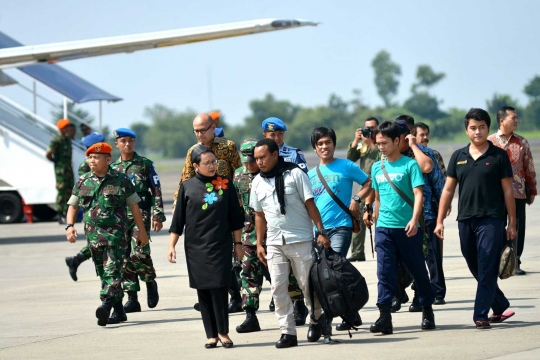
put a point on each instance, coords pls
(519, 151)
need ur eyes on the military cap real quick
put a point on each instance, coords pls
(273, 124)
(219, 132)
(246, 150)
(62, 123)
(99, 148)
(214, 115)
(403, 127)
(93, 138)
(121, 132)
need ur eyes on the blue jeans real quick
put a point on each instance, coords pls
(340, 239)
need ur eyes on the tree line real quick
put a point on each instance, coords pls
(169, 132)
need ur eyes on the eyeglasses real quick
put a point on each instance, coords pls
(200, 132)
(210, 163)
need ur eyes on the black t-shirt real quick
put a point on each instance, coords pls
(480, 189)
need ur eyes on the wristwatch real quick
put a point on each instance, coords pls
(68, 226)
(356, 198)
(322, 232)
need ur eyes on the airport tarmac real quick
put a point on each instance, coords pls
(46, 315)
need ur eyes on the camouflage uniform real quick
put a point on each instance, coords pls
(60, 148)
(252, 273)
(104, 202)
(144, 177)
(83, 169)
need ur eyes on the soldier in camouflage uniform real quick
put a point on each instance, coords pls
(73, 262)
(59, 152)
(143, 175)
(252, 268)
(105, 194)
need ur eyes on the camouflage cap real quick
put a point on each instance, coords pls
(246, 150)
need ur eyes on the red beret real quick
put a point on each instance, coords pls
(99, 148)
(62, 123)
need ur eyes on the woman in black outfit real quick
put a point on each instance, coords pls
(208, 208)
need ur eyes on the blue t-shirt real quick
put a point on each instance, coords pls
(405, 173)
(339, 175)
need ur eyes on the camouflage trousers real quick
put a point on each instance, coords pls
(85, 251)
(64, 185)
(139, 262)
(109, 263)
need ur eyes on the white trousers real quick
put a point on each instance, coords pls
(281, 258)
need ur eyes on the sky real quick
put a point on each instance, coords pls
(483, 46)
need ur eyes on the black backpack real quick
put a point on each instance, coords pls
(339, 286)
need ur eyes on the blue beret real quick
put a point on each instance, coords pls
(273, 124)
(93, 138)
(219, 132)
(403, 127)
(121, 132)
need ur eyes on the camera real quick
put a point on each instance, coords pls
(366, 132)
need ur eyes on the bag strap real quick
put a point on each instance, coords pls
(403, 196)
(331, 193)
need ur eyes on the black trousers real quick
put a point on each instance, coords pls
(434, 261)
(520, 226)
(214, 312)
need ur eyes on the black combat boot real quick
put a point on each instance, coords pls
(384, 322)
(103, 311)
(132, 304)
(73, 263)
(251, 324)
(235, 306)
(152, 296)
(118, 315)
(300, 312)
(314, 332)
(428, 318)
(415, 304)
(354, 319)
(287, 341)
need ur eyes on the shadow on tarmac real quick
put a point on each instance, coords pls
(35, 239)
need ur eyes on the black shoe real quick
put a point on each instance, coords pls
(355, 320)
(287, 341)
(315, 332)
(520, 272)
(62, 218)
(152, 295)
(103, 312)
(439, 301)
(272, 306)
(428, 318)
(197, 307)
(226, 344)
(384, 322)
(73, 263)
(415, 305)
(300, 312)
(251, 324)
(235, 306)
(118, 315)
(132, 305)
(210, 345)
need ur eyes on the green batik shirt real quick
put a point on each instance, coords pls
(104, 201)
(142, 173)
(83, 168)
(242, 182)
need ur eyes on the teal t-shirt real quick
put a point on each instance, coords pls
(405, 173)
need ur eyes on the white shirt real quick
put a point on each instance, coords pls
(296, 225)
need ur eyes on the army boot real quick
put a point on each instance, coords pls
(103, 311)
(384, 322)
(152, 296)
(73, 263)
(415, 304)
(118, 315)
(428, 318)
(251, 324)
(300, 312)
(132, 304)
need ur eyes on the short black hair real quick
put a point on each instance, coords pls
(70, 125)
(271, 143)
(421, 125)
(321, 132)
(198, 151)
(501, 114)
(389, 129)
(373, 118)
(478, 115)
(408, 119)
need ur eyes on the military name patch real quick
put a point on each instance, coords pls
(109, 189)
(462, 162)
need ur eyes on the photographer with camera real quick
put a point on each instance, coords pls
(363, 147)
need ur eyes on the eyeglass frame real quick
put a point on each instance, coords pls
(200, 132)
